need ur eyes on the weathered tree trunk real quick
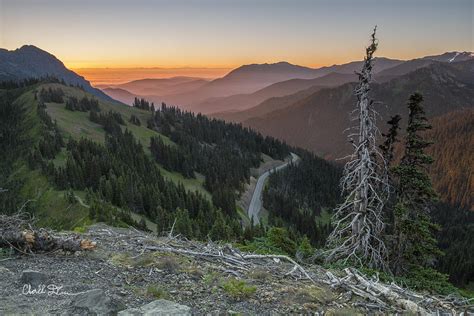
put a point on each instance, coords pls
(16, 232)
(42, 241)
(358, 221)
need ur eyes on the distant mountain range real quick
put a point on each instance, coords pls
(287, 87)
(159, 87)
(239, 85)
(249, 85)
(316, 122)
(31, 62)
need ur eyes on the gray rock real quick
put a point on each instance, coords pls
(93, 302)
(34, 278)
(158, 307)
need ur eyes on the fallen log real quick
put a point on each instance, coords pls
(17, 232)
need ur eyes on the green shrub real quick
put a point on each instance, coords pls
(428, 279)
(305, 249)
(209, 278)
(5, 253)
(156, 292)
(277, 241)
(238, 289)
(280, 238)
(418, 279)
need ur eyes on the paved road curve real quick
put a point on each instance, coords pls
(256, 202)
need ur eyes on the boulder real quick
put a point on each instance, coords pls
(93, 302)
(158, 307)
(34, 278)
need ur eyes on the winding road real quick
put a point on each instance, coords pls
(256, 202)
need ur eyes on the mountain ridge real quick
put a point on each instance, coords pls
(30, 61)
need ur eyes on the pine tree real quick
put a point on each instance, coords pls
(390, 139)
(414, 247)
(183, 223)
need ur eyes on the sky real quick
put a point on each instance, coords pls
(227, 33)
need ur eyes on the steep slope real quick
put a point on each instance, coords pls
(157, 165)
(412, 65)
(247, 101)
(120, 94)
(267, 106)
(317, 122)
(450, 57)
(50, 201)
(31, 62)
(453, 149)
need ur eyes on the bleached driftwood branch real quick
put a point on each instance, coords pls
(231, 257)
(392, 297)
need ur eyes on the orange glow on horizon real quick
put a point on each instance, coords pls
(111, 76)
(116, 73)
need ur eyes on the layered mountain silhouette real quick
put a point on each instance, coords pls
(243, 81)
(31, 62)
(159, 87)
(244, 101)
(317, 121)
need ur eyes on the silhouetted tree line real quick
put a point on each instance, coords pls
(15, 84)
(83, 105)
(143, 104)
(135, 120)
(111, 120)
(51, 95)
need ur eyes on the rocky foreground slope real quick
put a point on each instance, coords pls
(132, 273)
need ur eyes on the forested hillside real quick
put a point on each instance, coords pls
(302, 196)
(453, 148)
(129, 165)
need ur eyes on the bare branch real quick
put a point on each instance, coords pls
(358, 221)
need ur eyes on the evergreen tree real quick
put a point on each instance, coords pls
(183, 223)
(390, 138)
(414, 246)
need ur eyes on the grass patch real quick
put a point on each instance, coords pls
(50, 205)
(243, 216)
(210, 278)
(238, 289)
(168, 264)
(259, 274)
(316, 294)
(157, 292)
(195, 185)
